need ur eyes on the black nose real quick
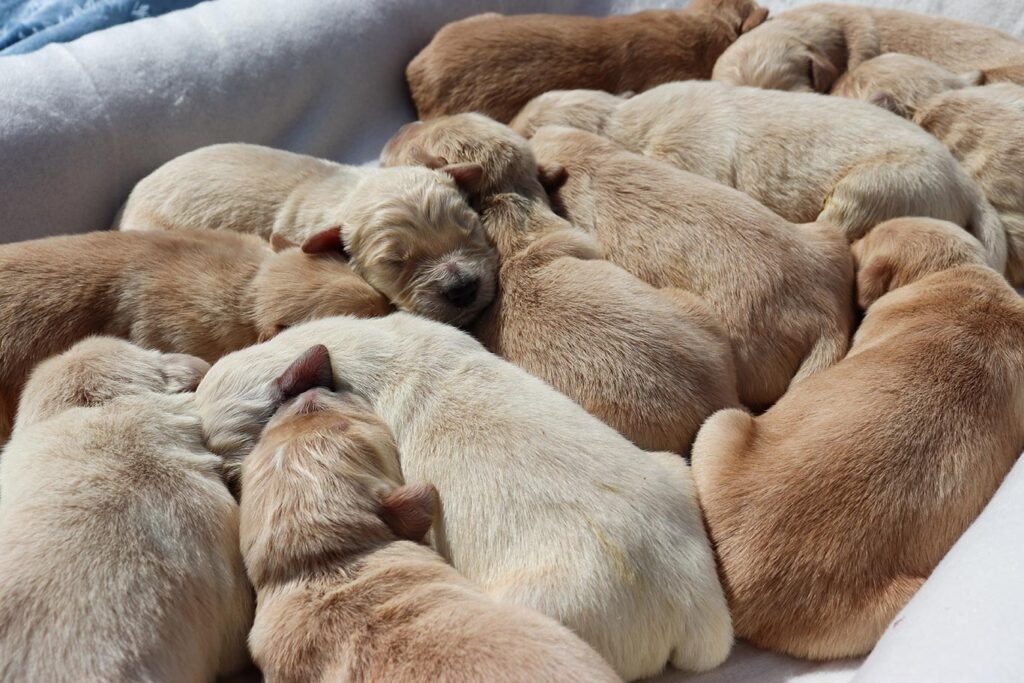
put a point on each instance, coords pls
(463, 292)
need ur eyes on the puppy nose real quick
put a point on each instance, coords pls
(463, 292)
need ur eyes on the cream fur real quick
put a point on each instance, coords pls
(407, 231)
(204, 293)
(118, 539)
(543, 505)
(832, 508)
(806, 157)
(345, 591)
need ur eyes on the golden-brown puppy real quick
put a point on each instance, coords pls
(494, 64)
(346, 591)
(652, 364)
(982, 126)
(781, 291)
(406, 231)
(831, 509)
(204, 293)
(809, 47)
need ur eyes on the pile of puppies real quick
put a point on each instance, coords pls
(731, 360)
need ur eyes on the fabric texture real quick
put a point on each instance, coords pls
(82, 122)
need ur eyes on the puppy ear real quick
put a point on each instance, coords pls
(756, 17)
(874, 280)
(279, 242)
(325, 241)
(467, 176)
(552, 176)
(409, 510)
(972, 78)
(887, 101)
(311, 369)
(270, 331)
(823, 72)
(425, 158)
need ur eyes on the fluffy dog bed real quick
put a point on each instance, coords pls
(81, 122)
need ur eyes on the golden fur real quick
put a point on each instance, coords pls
(832, 508)
(331, 539)
(494, 64)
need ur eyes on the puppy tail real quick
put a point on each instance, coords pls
(986, 225)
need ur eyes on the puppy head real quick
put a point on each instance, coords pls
(324, 482)
(504, 156)
(901, 83)
(739, 15)
(774, 60)
(903, 250)
(97, 370)
(587, 110)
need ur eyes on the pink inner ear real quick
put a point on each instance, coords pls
(409, 510)
(324, 241)
(467, 176)
(311, 369)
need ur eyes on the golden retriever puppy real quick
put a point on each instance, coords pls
(652, 364)
(118, 539)
(345, 591)
(494, 64)
(982, 126)
(407, 231)
(809, 47)
(204, 293)
(832, 508)
(543, 505)
(804, 156)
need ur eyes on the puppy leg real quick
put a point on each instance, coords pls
(827, 351)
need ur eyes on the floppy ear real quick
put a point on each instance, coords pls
(467, 176)
(425, 158)
(823, 72)
(887, 101)
(409, 510)
(552, 176)
(279, 242)
(756, 17)
(873, 281)
(311, 369)
(971, 78)
(325, 241)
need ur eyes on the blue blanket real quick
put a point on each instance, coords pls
(27, 25)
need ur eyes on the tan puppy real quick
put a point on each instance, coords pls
(804, 156)
(203, 293)
(332, 541)
(982, 126)
(494, 64)
(407, 231)
(831, 509)
(118, 539)
(782, 292)
(652, 364)
(809, 47)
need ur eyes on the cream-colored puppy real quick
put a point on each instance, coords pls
(118, 539)
(345, 590)
(407, 231)
(982, 126)
(204, 293)
(652, 364)
(805, 156)
(809, 47)
(832, 508)
(543, 504)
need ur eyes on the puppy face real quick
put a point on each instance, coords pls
(411, 235)
(904, 250)
(773, 62)
(98, 369)
(584, 109)
(901, 83)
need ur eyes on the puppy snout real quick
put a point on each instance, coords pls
(462, 293)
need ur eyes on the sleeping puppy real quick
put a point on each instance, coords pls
(118, 539)
(809, 47)
(544, 506)
(982, 126)
(345, 591)
(204, 293)
(494, 64)
(407, 231)
(832, 508)
(652, 364)
(804, 156)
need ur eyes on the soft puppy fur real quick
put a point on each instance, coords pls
(809, 47)
(982, 126)
(407, 231)
(543, 505)
(653, 364)
(204, 293)
(118, 539)
(494, 64)
(832, 508)
(782, 292)
(804, 156)
(332, 541)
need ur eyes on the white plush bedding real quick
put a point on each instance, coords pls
(81, 123)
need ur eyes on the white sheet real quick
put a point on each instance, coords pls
(81, 123)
